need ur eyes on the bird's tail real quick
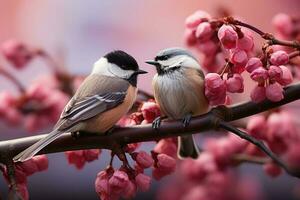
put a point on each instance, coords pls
(187, 147)
(36, 147)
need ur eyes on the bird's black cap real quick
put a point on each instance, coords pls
(123, 60)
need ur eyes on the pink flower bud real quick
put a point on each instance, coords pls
(118, 182)
(196, 18)
(279, 58)
(23, 191)
(101, 185)
(166, 163)
(28, 167)
(215, 89)
(293, 156)
(91, 154)
(272, 170)
(204, 31)
(235, 84)
(76, 157)
(150, 111)
(287, 76)
(257, 126)
(258, 94)
(259, 75)
(130, 191)
(283, 24)
(17, 53)
(253, 63)
(41, 161)
(208, 48)
(144, 160)
(245, 43)
(143, 182)
(238, 57)
(166, 146)
(275, 72)
(228, 36)
(132, 147)
(190, 37)
(274, 92)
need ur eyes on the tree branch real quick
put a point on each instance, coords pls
(143, 133)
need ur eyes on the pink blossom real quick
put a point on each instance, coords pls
(208, 48)
(8, 108)
(29, 167)
(293, 156)
(196, 193)
(190, 37)
(272, 170)
(275, 72)
(91, 154)
(228, 36)
(17, 53)
(245, 43)
(235, 84)
(192, 169)
(257, 126)
(150, 111)
(283, 24)
(118, 182)
(166, 146)
(238, 57)
(144, 160)
(196, 18)
(253, 63)
(76, 157)
(41, 161)
(258, 94)
(260, 74)
(165, 166)
(274, 92)
(204, 31)
(101, 185)
(132, 147)
(130, 191)
(287, 76)
(23, 191)
(215, 89)
(143, 182)
(279, 58)
(166, 163)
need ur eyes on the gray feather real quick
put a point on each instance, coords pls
(35, 148)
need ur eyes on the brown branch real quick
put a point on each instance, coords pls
(144, 133)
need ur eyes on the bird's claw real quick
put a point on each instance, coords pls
(156, 123)
(186, 120)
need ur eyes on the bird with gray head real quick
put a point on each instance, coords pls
(100, 101)
(179, 91)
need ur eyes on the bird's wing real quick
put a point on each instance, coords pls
(96, 95)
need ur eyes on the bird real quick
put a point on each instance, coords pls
(100, 101)
(178, 88)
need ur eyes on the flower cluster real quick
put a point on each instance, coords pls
(226, 38)
(126, 181)
(25, 169)
(80, 157)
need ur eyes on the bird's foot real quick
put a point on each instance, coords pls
(186, 120)
(156, 123)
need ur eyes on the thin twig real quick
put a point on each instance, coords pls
(13, 79)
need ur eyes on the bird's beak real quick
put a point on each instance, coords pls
(141, 72)
(152, 62)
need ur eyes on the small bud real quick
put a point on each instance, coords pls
(238, 57)
(253, 63)
(235, 84)
(259, 75)
(228, 36)
(196, 18)
(144, 160)
(286, 77)
(258, 94)
(204, 31)
(274, 92)
(245, 43)
(279, 58)
(143, 182)
(215, 89)
(275, 72)
(283, 24)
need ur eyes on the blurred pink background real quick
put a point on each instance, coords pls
(77, 33)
